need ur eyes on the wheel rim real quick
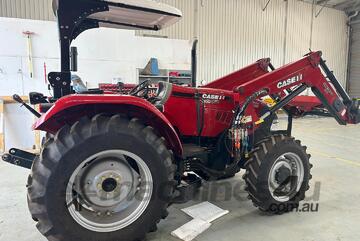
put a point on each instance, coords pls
(109, 191)
(286, 177)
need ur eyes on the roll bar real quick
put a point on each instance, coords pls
(75, 17)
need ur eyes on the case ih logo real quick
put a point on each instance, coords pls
(213, 97)
(290, 81)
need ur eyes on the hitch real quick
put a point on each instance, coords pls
(20, 158)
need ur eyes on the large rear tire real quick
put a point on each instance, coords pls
(277, 174)
(108, 179)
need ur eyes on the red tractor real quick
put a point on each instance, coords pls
(112, 163)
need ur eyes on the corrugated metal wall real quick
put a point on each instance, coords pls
(330, 35)
(29, 9)
(298, 30)
(354, 80)
(231, 33)
(235, 33)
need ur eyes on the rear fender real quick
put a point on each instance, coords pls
(70, 109)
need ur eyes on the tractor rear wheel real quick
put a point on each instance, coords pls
(108, 178)
(277, 174)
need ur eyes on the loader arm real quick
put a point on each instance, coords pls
(289, 81)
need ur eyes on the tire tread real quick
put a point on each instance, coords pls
(65, 138)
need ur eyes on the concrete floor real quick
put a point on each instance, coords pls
(336, 157)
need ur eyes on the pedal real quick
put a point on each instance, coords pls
(19, 158)
(188, 188)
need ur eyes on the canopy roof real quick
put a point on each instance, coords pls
(134, 14)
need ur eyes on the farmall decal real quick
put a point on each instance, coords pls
(290, 81)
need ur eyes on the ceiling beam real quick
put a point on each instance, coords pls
(320, 2)
(355, 7)
(345, 4)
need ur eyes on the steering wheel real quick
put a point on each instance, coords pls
(144, 86)
(163, 92)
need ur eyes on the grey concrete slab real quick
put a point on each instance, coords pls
(336, 157)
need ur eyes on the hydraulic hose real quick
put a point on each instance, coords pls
(241, 111)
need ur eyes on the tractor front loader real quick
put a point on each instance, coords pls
(112, 163)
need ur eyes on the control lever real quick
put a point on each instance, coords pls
(18, 99)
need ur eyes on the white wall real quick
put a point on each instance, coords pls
(104, 54)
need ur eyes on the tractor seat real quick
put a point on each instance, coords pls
(162, 94)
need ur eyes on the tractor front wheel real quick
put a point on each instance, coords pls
(277, 174)
(108, 178)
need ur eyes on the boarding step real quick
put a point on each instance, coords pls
(192, 150)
